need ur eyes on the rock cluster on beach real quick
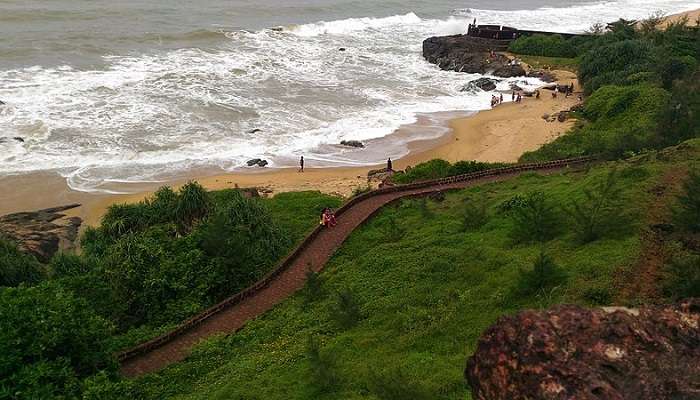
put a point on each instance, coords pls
(42, 233)
(570, 352)
(468, 54)
(257, 161)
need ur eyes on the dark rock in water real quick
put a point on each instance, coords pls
(463, 53)
(515, 87)
(352, 143)
(19, 139)
(341, 49)
(543, 75)
(252, 162)
(569, 352)
(2, 103)
(42, 233)
(256, 130)
(484, 84)
(262, 163)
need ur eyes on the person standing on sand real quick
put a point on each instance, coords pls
(512, 98)
(389, 165)
(301, 164)
(500, 100)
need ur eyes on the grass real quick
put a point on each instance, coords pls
(539, 62)
(424, 296)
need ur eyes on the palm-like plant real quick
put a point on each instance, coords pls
(193, 205)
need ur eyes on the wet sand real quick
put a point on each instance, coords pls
(501, 134)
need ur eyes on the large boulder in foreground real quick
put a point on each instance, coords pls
(570, 352)
(42, 233)
(468, 54)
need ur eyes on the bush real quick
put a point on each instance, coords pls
(346, 310)
(313, 289)
(475, 214)
(599, 211)
(437, 168)
(683, 278)
(613, 63)
(322, 366)
(193, 204)
(536, 221)
(396, 385)
(544, 275)
(687, 214)
(433, 169)
(16, 267)
(359, 190)
(49, 341)
(391, 228)
(545, 45)
(68, 265)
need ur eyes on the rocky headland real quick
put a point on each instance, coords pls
(472, 55)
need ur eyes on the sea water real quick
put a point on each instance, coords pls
(108, 91)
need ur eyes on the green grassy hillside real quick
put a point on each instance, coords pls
(399, 308)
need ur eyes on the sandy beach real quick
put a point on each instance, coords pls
(500, 134)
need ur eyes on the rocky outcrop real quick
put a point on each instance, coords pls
(42, 233)
(570, 352)
(257, 161)
(473, 55)
(484, 84)
(352, 143)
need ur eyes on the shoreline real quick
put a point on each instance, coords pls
(501, 134)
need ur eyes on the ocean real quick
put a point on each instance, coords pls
(106, 91)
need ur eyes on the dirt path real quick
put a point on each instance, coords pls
(318, 248)
(641, 283)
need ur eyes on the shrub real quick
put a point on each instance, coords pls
(313, 289)
(346, 310)
(17, 267)
(687, 214)
(475, 214)
(683, 278)
(122, 219)
(432, 169)
(68, 265)
(536, 221)
(611, 64)
(467, 167)
(545, 45)
(391, 228)
(359, 190)
(49, 341)
(545, 274)
(322, 366)
(599, 211)
(394, 384)
(193, 204)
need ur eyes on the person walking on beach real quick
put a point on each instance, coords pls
(500, 99)
(512, 98)
(389, 165)
(301, 164)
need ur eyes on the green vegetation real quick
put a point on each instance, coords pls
(549, 46)
(424, 297)
(687, 214)
(16, 267)
(541, 62)
(437, 168)
(149, 266)
(643, 87)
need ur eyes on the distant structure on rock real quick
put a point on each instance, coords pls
(570, 352)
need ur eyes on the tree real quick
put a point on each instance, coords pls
(49, 341)
(545, 274)
(192, 206)
(535, 221)
(600, 209)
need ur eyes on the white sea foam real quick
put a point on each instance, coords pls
(150, 117)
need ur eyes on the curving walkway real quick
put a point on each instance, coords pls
(232, 314)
